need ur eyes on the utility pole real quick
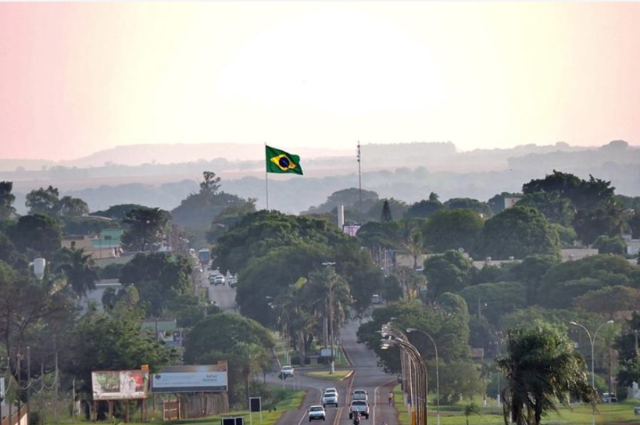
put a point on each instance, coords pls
(359, 177)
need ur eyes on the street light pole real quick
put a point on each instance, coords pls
(593, 373)
(435, 347)
(420, 387)
(332, 367)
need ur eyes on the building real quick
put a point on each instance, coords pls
(94, 296)
(107, 244)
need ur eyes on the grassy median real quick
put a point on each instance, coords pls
(607, 414)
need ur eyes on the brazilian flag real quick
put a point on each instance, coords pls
(282, 162)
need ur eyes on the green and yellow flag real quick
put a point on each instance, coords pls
(282, 162)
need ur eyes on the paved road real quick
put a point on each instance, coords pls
(223, 295)
(367, 376)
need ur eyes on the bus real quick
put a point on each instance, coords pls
(204, 255)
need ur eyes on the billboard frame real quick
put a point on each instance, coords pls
(115, 397)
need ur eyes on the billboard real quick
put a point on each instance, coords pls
(119, 384)
(191, 379)
(350, 230)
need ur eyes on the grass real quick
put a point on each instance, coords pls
(338, 375)
(607, 414)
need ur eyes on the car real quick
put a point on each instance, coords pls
(375, 299)
(232, 281)
(609, 398)
(359, 395)
(217, 279)
(287, 371)
(330, 396)
(317, 413)
(360, 406)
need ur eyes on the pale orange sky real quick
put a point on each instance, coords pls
(79, 77)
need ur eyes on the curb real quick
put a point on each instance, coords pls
(346, 355)
(348, 375)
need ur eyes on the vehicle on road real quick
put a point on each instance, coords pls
(317, 413)
(204, 255)
(232, 281)
(216, 279)
(287, 371)
(359, 395)
(360, 406)
(609, 398)
(330, 396)
(375, 299)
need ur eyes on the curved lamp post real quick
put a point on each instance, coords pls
(394, 336)
(435, 347)
(592, 340)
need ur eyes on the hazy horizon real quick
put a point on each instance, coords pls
(86, 77)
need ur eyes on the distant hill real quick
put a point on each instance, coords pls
(180, 153)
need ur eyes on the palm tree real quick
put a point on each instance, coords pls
(293, 314)
(328, 296)
(541, 368)
(253, 359)
(412, 240)
(78, 268)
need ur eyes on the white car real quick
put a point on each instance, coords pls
(287, 371)
(217, 279)
(317, 413)
(359, 406)
(359, 395)
(330, 396)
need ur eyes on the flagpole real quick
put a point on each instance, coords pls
(266, 176)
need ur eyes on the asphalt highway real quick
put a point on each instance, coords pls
(367, 375)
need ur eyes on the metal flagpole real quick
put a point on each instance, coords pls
(266, 175)
(359, 178)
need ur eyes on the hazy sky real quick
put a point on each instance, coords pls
(79, 77)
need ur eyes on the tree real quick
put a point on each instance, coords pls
(222, 331)
(446, 320)
(518, 232)
(448, 272)
(541, 368)
(210, 183)
(459, 379)
(328, 296)
(159, 278)
(425, 208)
(227, 218)
(117, 212)
(199, 209)
(610, 245)
(112, 341)
(145, 228)
(43, 201)
(412, 239)
(452, 230)
(72, 207)
(590, 224)
(38, 232)
(7, 211)
(471, 409)
(500, 298)
(376, 235)
(552, 205)
(530, 272)
(386, 212)
(79, 270)
(397, 209)
(468, 204)
(619, 299)
(351, 198)
(257, 234)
